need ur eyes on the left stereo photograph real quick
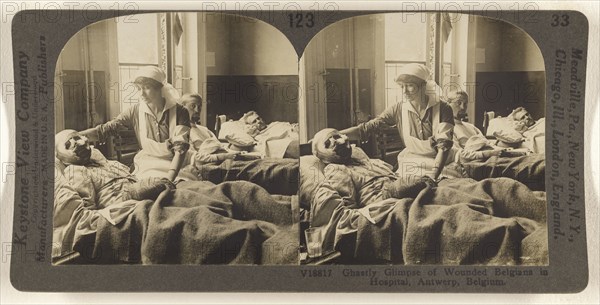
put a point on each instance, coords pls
(176, 142)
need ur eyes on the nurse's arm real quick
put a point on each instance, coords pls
(443, 139)
(387, 118)
(111, 128)
(353, 133)
(440, 162)
(179, 142)
(91, 134)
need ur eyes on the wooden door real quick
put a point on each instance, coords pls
(338, 98)
(76, 113)
(364, 96)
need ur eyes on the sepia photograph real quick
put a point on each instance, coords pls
(423, 143)
(326, 147)
(176, 142)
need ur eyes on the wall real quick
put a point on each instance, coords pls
(507, 48)
(250, 66)
(463, 63)
(313, 116)
(461, 46)
(217, 43)
(194, 57)
(344, 45)
(274, 97)
(96, 38)
(521, 53)
(258, 48)
(90, 49)
(509, 70)
(243, 46)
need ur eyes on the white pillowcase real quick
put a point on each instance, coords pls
(503, 127)
(230, 127)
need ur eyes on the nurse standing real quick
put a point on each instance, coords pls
(161, 125)
(425, 122)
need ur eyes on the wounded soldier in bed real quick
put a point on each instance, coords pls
(192, 102)
(481, 158)
(211, 151)
(469, 141)
(519, 130)
(90, 186)
(251, 134)
(353, 181)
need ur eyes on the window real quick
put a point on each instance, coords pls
(405, 42)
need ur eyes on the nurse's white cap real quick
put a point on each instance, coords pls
(417, 70)
(152, 72)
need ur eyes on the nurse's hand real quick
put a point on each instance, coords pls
(497, 152)
(148, 188)
(429, 181)
(408, 187)
(229, 155)
(178, 146)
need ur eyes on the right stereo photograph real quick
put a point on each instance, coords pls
(422, 142)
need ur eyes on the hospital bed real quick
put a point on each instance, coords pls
(427, 229)
(252, 198)
(533, 139)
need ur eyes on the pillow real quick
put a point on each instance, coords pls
(508, 139)
(311, 175)
(96, 155)
(496, 124)
(242, 141)
(503, 127)
(59, 166)
(230, 127)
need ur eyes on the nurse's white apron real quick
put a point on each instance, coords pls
(154, 160)
(415, 146)
(418, 156)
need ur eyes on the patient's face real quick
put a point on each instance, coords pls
(193, 107)
(459, 108)
(524, 117)
(73, 148)
(256, 121)
(339, 144)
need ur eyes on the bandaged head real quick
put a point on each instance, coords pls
(330, 146)
(72, 148)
